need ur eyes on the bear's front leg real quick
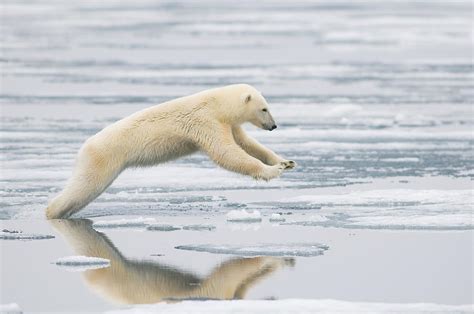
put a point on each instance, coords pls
(233, 158)
(257, 150)
(224, 151)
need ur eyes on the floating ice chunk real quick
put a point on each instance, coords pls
(82, 263)
(293, 306)
(244, 216)
(289, 249)
(199, 227)
(9, 235)
(10, 308)
(159, 227)
(139, 222)
(276, 218)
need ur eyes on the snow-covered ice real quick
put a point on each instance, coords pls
(277, 218)
(244, 216)
(267, 249)
(81, 263)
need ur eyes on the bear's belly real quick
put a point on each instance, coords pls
(163, 151)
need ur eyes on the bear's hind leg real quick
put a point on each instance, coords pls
(90, 178)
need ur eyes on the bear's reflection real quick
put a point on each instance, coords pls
(133, 281)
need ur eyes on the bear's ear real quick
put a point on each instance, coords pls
(246, 98)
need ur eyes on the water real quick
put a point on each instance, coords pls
(373, 100)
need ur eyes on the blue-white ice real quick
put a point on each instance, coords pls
(266, 249)
(360, 91)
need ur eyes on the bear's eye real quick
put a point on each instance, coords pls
(264, 110)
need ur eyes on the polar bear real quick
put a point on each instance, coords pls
(209, 121)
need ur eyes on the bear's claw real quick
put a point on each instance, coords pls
(288, 164)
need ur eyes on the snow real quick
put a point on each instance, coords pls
(268, 249)
(293, 306)
(244, 216)
(82, 263)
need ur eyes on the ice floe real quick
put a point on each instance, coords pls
(199, 227)
(244, 216)
(162, 227)
(268, 249)
(18, 235)
(82, 263)
(277, 218)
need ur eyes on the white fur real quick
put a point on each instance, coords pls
(208, 121)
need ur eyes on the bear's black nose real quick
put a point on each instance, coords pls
(273, 127)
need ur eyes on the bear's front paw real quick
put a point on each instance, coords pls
(271, 172)
(288, 164)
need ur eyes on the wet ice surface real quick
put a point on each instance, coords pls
(265, 249)
(295, 306)
(373, 100)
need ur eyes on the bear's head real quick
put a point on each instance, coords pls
(256, 111)
(241, 103)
